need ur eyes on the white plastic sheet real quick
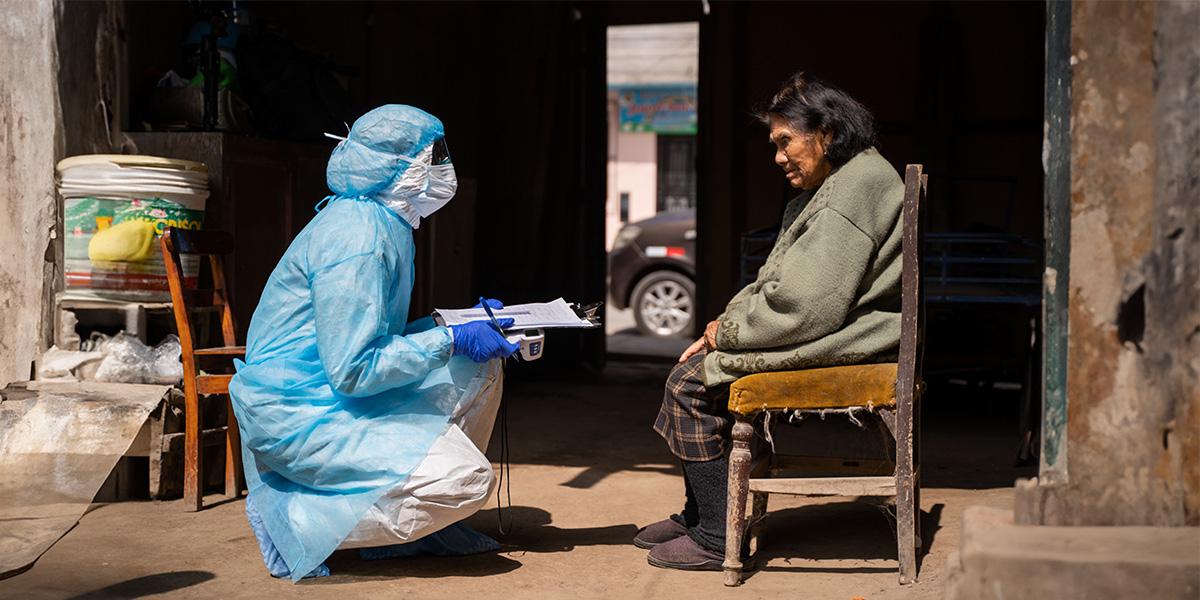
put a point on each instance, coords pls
(58, 443)
(453, 481)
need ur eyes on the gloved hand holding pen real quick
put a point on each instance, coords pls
(481, 341)
(492, 303)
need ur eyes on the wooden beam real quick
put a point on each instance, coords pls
(827, 486)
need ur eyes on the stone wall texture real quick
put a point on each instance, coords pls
(1133, 428)
(30, 143)
(1172, 360)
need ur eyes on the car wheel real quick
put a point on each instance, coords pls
(664, 304)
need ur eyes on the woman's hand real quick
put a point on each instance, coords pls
(692, 350)
(710, 335)
(707, 343)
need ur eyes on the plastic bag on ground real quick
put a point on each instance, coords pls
(65, 364)
(166, 368)
(125, 361)
(128, 360)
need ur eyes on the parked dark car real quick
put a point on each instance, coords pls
(653, 268)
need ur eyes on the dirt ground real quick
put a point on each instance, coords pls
(587, 472)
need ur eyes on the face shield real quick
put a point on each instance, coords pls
(441, 153)
(426, 185)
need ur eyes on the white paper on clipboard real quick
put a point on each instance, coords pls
(556, 314)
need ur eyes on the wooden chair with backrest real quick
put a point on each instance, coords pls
(214, 245)
(891, 390)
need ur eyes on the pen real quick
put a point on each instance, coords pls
(488, 310)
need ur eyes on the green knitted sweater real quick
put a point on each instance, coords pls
(829, 292)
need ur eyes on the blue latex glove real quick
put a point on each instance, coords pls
(479, 340)
(492, 303)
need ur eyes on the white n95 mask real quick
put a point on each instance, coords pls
(422, 189)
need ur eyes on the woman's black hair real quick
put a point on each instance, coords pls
(811, 105)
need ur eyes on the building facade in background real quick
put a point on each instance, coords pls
(652, 74)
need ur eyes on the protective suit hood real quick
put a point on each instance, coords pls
(389, 156)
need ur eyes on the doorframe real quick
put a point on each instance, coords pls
(1056, 195)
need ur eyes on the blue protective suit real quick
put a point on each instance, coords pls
(338, 400)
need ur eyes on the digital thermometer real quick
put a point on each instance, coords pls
(532, 342)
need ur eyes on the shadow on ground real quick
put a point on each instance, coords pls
(832, 532)
(346, 567)
(528, 530)
(819, 532)
(148, 585)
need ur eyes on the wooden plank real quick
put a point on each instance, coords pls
(911, 312)
(121, 305)
(213, 384)
(813, 466)
(827, 486)
(104, 304)
(221, 351)
(908, 379)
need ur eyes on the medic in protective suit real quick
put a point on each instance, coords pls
(359, 429)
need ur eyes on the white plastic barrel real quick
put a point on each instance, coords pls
(115, 207)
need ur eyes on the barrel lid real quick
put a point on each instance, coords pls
(131, 160)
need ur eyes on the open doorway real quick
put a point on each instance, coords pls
(650, 232)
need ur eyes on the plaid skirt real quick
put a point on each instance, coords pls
(694, 420)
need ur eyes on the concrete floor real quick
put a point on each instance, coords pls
(587, 472)
(625, 339)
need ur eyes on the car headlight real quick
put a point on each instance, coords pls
(626, 236)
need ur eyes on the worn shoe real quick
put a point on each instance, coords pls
(685, 554)
(658, 533)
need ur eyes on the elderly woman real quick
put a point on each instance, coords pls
(829, 294)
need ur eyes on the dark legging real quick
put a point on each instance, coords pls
(694, 421)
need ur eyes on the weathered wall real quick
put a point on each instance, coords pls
(91, 81)
(60, 95)
(1112, 193)
(30, 142)
(1132, 360)
(1171, 365)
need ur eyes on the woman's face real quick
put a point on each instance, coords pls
(800, 154)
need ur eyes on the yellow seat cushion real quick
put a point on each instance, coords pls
(815, 389)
